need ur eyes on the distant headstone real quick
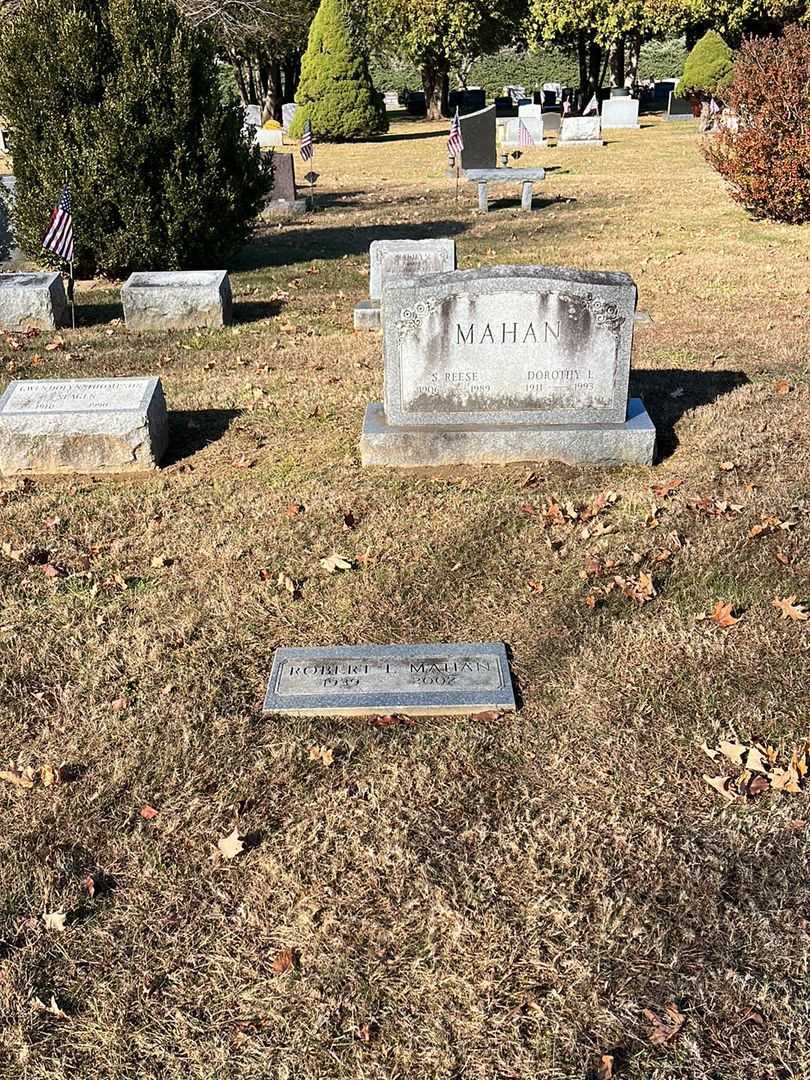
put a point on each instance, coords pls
(663, 88)
(253, 116)
(393, 260)
(504, 106)
(82, 426)
(283, 200)
(391, 100)
(32, 300)
(467, 101)
(509, 363)
(287, 114)
(177, 299)
(416, 103)
(515, 93)
(478, 134)
(532, 117)
(580, 132)
(679, 108)
(620, 112)
(381, 680)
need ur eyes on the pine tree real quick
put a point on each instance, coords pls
(708, 69)
(121, 96)
(335, 92)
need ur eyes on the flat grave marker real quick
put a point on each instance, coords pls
(177, 299)
(379, 680)
(82, 425)
(32, 299)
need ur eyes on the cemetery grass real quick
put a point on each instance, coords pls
(467, 897)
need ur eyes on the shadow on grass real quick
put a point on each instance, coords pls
(670, 392)
(97, 314)
(248, 311)
(404, 136)
(299, 245)
(191, 430)
(514, 204)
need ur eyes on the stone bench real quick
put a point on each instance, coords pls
(527, 178)
(32, 299)
(177, 300)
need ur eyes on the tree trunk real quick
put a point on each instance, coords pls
(594, 66)
(292, 70)
(634, 55)
(617, 62)
(239, 76)
(436, 83)
(582, 55)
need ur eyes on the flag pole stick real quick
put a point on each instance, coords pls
(72, 287)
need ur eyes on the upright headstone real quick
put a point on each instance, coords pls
(393, 260)
(253, 116)
(663, 88)
(287, 114)
(532, 117)
(177, 299)
(516, 93)
(580, 132)
(478, 134)
(32, 299)
(82, 426)
(283, 199)
(679, 108)
(416, 103)
(509, 363)
(504, 106)
(620, 112)
(467, 101)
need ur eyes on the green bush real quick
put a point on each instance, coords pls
(662, 59)
(122, 96)
(335, 92)
(708, 69)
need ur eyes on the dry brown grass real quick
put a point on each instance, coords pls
(465, 899)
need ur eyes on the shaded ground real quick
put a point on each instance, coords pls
(464, 898)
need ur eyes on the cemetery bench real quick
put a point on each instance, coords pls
(527, 178)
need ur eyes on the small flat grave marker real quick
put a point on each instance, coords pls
(82, 425)
(177, 299)
(378, 680)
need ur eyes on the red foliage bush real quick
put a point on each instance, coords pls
(766, 160)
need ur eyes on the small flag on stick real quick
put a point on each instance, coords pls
(455, 143)
(592, 108)
(307, 143)
(524, 135)
(59, 237)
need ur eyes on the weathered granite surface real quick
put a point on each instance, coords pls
(177, 300)
(478, 133)
(508, 346)
(504, 176)
(580, 131)
(620, 112)
(368, 315)
(393, 260)
(82, 425)
(32, 299)
(629, 443)
(369, 680)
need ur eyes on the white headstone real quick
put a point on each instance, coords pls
(580, 131)
(287, 114)
(620, 112)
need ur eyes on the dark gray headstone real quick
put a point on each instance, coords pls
(679, 108)
(467, 101)
(368, 680)
(504, 106)
(283, 189)
(416, 103)
(478, 133)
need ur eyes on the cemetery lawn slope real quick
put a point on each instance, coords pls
(470, 897)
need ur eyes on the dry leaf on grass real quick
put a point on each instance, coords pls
(790, 609)
(722, 784)
(294, 510)
(230, 846)
(722, 615)
(285, 960)
(605, 1068)
(53, 1009)
(322, 754)
(21, 778)
(487, 717)
(148, 813)
(761, 771)
(666, 489)
(665, 1027)
(335, 562)
(55, 920)
(50, 775)
(782, 387)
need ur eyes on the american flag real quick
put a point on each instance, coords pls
(59, 237)
(524, 135)
(307, 142)
(455, 143)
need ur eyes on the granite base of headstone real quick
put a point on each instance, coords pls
(508, 364)
(580, 133)
(385, 680)
(35, 300)
(620, 112)
(393, 260)
(116, 425)
(177, 300)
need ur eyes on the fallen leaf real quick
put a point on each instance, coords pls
(54, 344)
(159, 561)
(230, 846)
(149, 813)
(664, 490)
(336, 562)
(51, 571)
(790, 609)
(536, 586)
(322, 754)
(782, 387)
(384, 721)
(21, 778)
(721, 784)
(605, 1069)
(285, 960)
(721, 615)
(364, 1033)
(666, 1027)
(55, 920)
(289, 584)
(119, 704)
(486, 717)
(49, 775)
(89, 886)
(39, 1006)
(294, 510)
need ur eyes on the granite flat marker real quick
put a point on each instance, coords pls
(377, 680)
